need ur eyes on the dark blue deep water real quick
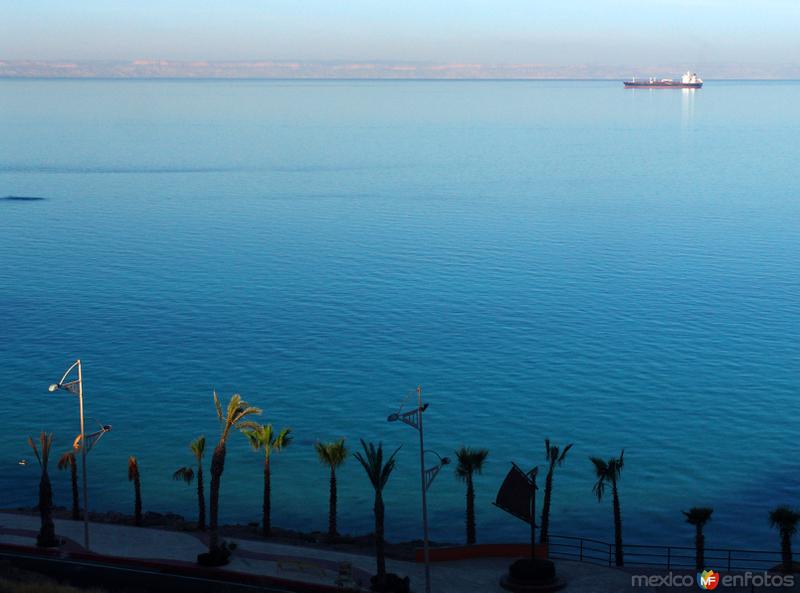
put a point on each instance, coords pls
(566, 259)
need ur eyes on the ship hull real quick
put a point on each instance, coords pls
(663, 85)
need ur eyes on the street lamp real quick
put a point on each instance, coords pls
(414, 419)
(75, 387)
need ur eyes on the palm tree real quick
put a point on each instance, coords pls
(699, 516)
(265, 437)
(68, 461)
(47, 532)
(470, 462)
(333, 455)
(187, 474)
(378, 473)
(609, 472)
(554, 457)
(133, 476)
(233, 418)
(785, 519)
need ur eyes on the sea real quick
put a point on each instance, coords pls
(616, 269)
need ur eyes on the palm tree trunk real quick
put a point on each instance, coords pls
(786, 550)
(544, 533)
(267, 506)
(699, 547)
(47, 531)
(201, 499)
(332, 506)
(73, 470)
(617, 526)
(379, 543)
(137, 504)
(217, 467)
(470, 511)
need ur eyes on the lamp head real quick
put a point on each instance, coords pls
(53, 388)
(393, 418)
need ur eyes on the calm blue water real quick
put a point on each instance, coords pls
(563, 259)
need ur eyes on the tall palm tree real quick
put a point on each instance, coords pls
(699, 516)
(68, 461)
(470, 462)
(47, 531)
(554, 457)
(232, 418)
(264, 437)
(133, 476)
(609, 472)
(187, 474)
(378, 473)
(333, 455)
(785, 520)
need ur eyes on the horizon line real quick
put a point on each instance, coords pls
(365, 78)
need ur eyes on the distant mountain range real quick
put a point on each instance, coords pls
(375, 70)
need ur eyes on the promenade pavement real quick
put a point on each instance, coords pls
(300, 563)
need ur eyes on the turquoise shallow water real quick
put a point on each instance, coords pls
(566, 259)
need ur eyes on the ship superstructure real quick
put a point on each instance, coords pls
(689, 80)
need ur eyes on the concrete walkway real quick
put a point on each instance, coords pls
(299, 563)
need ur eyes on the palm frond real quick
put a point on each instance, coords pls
(600, 467)
(247, 425)
(32, 445)
(785, 519)
(389, 466)
(133, 469)
(198, 447)
(332, 454)
(255, 436)
(564, 454)
(217, 406)
(45, 443)
(367, 462)
(66, 460)
(185, 474)
(698, 515)
(372, 461)
(235, 412)
(282, 440)
(601, 473)
(470, 461)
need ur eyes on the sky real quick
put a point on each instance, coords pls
(559, 32)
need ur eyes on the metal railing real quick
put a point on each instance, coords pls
(598, 552)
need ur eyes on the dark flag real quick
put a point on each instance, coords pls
(514, 496)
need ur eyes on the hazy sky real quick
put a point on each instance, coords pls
(513, 31)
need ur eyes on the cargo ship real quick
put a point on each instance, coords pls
(690, 80)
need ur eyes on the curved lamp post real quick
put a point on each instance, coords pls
(414, 419)
(75, 386)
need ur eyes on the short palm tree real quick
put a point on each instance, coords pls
(133, 476)
(378, 473)
(785, 520)
(608, 472)
(470, 462)
(699, 516)
(47, 531)
(232, 418)
(68, 461)
(187, 474)
(264, 437)
(333, 455)
(554, 457)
